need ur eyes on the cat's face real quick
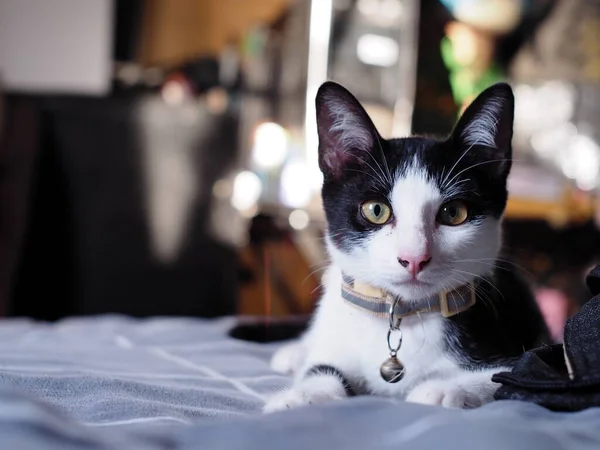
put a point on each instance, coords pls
(414, 216)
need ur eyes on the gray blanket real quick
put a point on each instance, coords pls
(112, 382)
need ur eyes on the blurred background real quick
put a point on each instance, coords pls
(158, 157)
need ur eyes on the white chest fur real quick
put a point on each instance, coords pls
(355, 342)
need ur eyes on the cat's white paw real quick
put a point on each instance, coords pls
(311, 390)
(289, 358)
(446, 394)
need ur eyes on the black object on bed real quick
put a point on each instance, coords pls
(562, 377)
(265, 329)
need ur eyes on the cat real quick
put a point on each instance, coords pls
(411, 218)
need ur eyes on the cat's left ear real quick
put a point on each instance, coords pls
(486, 128)
(346, 133)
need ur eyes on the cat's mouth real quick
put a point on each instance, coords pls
(413, 282)
(412, 289)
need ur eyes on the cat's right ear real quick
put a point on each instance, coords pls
(346, 133)
(487, 125)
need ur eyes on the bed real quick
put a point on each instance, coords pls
(170, 383)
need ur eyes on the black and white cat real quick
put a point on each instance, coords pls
(413, 218)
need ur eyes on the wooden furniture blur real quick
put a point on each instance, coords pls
(280, 273)
(176, 31)
(284, 275)
(571, 208)
(539, 193)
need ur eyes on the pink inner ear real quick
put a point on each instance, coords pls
(336, 160)
(345, 133)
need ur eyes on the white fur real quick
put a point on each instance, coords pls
(289, 358)
(314, 389)
(355, 342)
(467, 390)
(483, 128)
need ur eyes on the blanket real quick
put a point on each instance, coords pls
(172, 383)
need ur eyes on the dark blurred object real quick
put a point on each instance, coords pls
(89, 246)
(264, 229)
(2, 106)
(266, 329)
(128, 14)
(508, 45)
(554, 257)
(19, 141)
(434, 111)
(202, 72)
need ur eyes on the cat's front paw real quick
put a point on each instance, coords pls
(312, 390)
(285, 400)
(446, 394)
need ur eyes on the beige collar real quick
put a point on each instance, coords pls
(376, 301)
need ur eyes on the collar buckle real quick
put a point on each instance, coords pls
(445, 308)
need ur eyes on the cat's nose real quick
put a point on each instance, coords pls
(414, 264)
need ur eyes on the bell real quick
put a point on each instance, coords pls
(392, 370)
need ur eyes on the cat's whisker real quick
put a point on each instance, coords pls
(443, 184)
(486, 260)
(365, 173)
(381, 172)
(380, 175)
(319, 286)
(334, 235)
(487, 299)
(480, 278)
(387, 167)
(480, 164)
(481, 293)
(456, 189)
(490, 264)
(321, 269)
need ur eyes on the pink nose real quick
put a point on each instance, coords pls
(414, 264)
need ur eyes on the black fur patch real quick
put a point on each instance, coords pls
(324, 369)
(503, 324)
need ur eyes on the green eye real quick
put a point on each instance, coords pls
(376, 212)
(453, 213)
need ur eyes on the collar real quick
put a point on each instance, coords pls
(377, 301)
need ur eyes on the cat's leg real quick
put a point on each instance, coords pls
(464, 390)
(320, 383)
(290, 357)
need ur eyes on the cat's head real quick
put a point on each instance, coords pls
(415, 215)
